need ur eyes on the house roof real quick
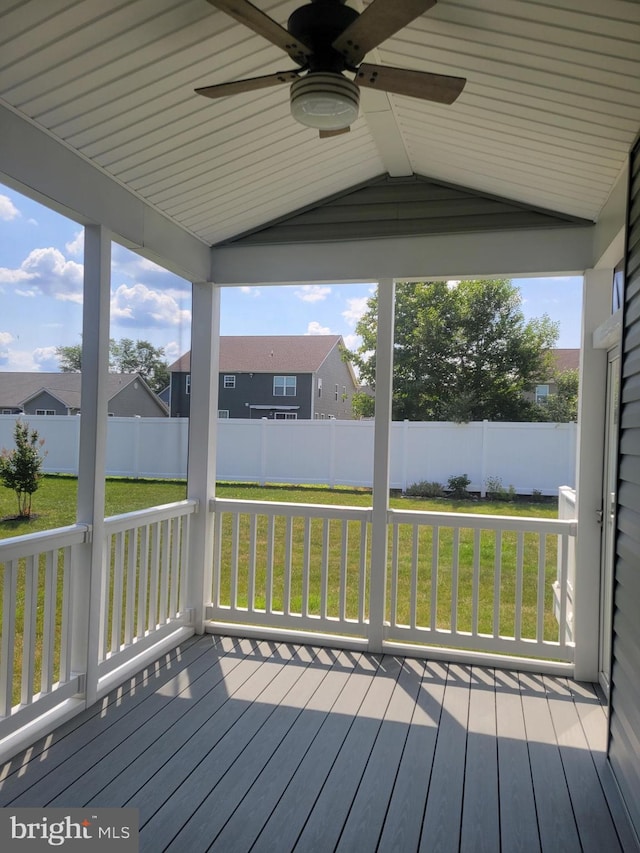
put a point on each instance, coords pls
(566, 359)
(17, 388)
(269, 353)
(549, 112)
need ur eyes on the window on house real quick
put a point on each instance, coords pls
(187, 384)
(336, 392)
(223, 413)
(7, 411)
(285, 416)
(542, 393)
(344, 392)
(319, 387)
(229, 381)
(284, 386)
(45, 411)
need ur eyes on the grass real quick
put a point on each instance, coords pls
(55, 506)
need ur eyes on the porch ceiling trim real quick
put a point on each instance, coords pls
(566, 251)
(41, 167)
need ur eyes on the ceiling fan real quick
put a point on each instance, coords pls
(327, 38)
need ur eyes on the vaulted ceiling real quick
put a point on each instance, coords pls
(547, 117)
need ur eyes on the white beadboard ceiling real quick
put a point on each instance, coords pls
(549, 112)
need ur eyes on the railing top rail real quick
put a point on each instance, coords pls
(272, 508)
(45, 540)
(126, 520)
(484, 522)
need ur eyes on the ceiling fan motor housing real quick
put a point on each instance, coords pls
(318, 24)
(327, 101)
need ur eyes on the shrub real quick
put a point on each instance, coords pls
(21, 468)
(425, 489)
(457, 486)
(497, 492)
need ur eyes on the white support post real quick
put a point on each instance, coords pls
(596, 308)
(203, 430)
(88, 567)
(381, 462)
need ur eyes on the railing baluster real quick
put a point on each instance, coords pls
(344, 559)
(455, 561)
(235, 545)
(143, 581)
(174, 567)
(49, 622)
(9, 600)
(154, 576)
(362, 605)
(518, 591)
(29, 628)
(475, 594)
(129, 608)
(65, 615)
(164, 572)
(105, 587)
(117, 585)
(542, 552)
(288, 566)
(270, 552)
(564, 562)
(217, 557)
(185, 527)
(306, 567)
(497, 582)
(324, 582)
(435, 550)
(393, 616)
(413, 604)
(251, 580)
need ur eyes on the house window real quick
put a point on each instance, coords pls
(7, 411)
(336, 392)
(284, 386)
(223, 413)
(542, 393)
(319, 387)
(229, 381)
(285, 416)
(187, 384)
(45, 411)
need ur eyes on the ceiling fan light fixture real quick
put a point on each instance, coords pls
(326, 101)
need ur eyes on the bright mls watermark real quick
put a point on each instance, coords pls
(86, 830)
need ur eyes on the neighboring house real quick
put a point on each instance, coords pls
(284, 377)
(563, 359)
(59, 394)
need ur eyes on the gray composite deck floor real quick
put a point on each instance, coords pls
(237, 745)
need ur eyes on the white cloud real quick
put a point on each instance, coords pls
(352, 342)
(46, 358)
(8, 210)
(76, 246)
(251, 291)
(314, 328)
(29, 294)
(356, 307)
(312, 292)
(5, 338)
(140, 306)
(48, 272)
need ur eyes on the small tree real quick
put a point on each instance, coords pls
(21, 468)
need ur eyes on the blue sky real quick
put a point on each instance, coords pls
(41, 296)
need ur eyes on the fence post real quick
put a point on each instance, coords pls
(483, 456)
(263, 450)
(405, 455)
(332, 452)
(381, 458)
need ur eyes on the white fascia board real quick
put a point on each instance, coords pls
(41, 167)
(535, 252)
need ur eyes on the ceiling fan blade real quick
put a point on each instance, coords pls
(380, 20)
(325, 134)
(246, 13)
(248, 85)
(414, 84)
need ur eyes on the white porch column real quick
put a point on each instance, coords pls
(86, 588)
(381, 457)
(596, 308)
(203, 428)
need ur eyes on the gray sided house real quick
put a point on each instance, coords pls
(59, 394)
(286, 377)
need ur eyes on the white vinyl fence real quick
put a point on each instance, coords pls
(527, 456)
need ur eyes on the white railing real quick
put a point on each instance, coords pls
(566, 510)
(37, 614)
(479, 582)
(143, 580)
(472, 582)
(291, 566)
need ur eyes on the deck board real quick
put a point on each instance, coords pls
(237, 745)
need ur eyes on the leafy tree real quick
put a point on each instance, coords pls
(21, 468)
(125, 356)
(363, 405)
(561, 407)
(463, 351)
